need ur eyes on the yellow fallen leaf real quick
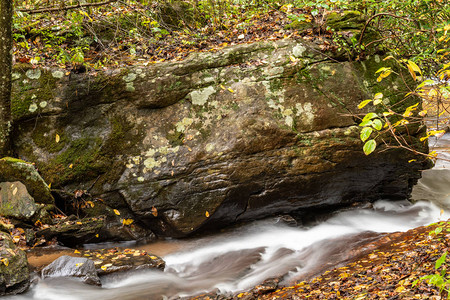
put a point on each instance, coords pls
(207, 214)
(50, 185)
(79, 264)
(71, 166)
(103, 268)
(79, 223)
(117, 212)
(57, 138)
(127, 221)
(400, 289)
(222, 87)
(107, 265)
(96, 235)
(230, 90)
(153, 257)
(5, 261)
(77, 252)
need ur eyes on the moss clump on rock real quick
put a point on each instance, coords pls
(12, 169)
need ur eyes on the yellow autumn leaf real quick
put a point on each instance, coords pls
(79, 223)
(153, 257)
(207, 214)
(5, 261)
(71, 166)
(127, 221)
(117, 212)
(223, 87)
(57, 138)
(107, 265)
(103, 268)
(77, 252)
(400, 289)
(96, 235)
(230, 90)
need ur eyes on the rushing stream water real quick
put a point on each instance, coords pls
(241, 258)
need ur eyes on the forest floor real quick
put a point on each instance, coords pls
(119, 35)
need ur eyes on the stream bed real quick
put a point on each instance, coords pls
(243, 257)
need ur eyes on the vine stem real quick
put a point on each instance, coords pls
(379, 15)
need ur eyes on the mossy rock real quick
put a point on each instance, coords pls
(14, 273)
(12, 169)
(345, 20)
(299, 25)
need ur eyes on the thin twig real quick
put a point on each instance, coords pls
(52, 9)
(378, 15)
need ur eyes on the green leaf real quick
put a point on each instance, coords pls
(364, 103)
(369, 116)
(365, 133)
(441, 260)
(365, 123)
(369, 146)
(377, 124)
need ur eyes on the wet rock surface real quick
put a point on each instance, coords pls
(219, 138)
(77, 267)
(14, 273)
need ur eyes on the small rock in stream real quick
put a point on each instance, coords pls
(78, 267)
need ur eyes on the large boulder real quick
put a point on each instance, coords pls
(247, 132)
(14, 273)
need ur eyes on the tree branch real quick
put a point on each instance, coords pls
(378, 15)
(52, 9)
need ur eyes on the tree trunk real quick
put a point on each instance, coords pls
(6, 13)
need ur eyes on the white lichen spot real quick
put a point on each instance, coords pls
(138, 71)
(33, 97)
(136, 159)
(33, 73)
(209, 147)
(58, 74)
(130, 87)
(129, 166)
(130, 77)
(140, 179)
(183, 124)
(43, 104)
(326, 68)
(289, 121)
(33, 107)
(305, 111)
(200, 97)
(377, 59)
(150, 163)
(386, 101)
(15, 76)
(273, 71)
(150, 152)
(288, 112)
(298, 50)
(214, 104)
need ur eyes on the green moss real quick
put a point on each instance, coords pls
(44, 140)
(175, 138)
(79, 162)
(276, 85)
(28, 91)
